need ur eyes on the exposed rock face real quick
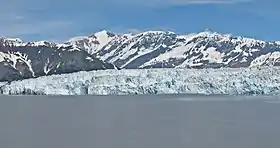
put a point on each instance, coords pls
(19, 60)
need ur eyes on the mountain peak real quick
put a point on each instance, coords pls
(103, 33)
(11, 40)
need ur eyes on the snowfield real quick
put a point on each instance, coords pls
(243, 81)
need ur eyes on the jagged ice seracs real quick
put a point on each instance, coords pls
(237, 81)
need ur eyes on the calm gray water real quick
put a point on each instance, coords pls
(138, 122)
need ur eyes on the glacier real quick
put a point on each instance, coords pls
(231, 81)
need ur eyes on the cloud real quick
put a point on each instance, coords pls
(188, 2)
(18, 20)
(129, 30)
(32, 28)
(166, 3)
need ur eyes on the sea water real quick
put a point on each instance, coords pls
(165, 121)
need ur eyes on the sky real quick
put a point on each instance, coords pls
(59, 20)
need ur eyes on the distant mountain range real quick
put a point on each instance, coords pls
(19, 60)
(151, 49)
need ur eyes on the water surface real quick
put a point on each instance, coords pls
(139, 122)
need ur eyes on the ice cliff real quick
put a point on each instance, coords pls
(241, 81)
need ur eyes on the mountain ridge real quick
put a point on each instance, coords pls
(22, 60)
(162, 49)
(149, 49)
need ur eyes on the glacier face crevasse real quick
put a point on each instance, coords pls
(241, 81)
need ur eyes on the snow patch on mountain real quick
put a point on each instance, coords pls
(92, 43)
(16, 42)
(267, 59)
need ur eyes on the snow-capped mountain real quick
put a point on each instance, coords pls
(93, 43)
(150, 49)
(157, 49)
(19, 60)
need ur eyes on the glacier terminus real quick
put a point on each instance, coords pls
(237, 81)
